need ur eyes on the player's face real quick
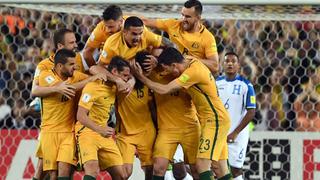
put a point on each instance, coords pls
(113, 26)
(231, 64)
(70, 42)
(68, 68)
(124, 75)
(172, 69)
(133, 35)
(189, 18)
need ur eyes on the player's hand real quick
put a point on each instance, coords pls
(122, 86)
(231, 137)
(136, 69)
(66, 89)
(106, 131)
(150, 63)
(100, 76)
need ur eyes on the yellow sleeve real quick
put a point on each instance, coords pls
(88, 97)
(107, 53)
(188, 78)
(153, 39)
(46, 79)
(40, 67)
(97, 37)
(164, 24)
(210, 46)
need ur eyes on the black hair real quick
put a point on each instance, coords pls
(119, 63)
(194, 3)
(170, 55)
(231, 53)
(112, 12)
(58, 36)
(62, 56)
(140, 57)
(133, 21)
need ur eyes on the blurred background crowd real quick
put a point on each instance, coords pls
(281, 58)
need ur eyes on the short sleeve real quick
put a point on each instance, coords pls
(153, 39)
(164, 24)
(87, 97)
(97, 37)
(107, 53)
(187, 78)
(251, 97)
(210, 46)
(47, 79)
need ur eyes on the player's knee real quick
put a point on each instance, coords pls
(127, 171)
(160, 166)
(64, 169)
(236, 172)
(179, 171)
(91, 168)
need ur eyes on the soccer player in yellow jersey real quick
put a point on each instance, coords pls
(136, 131)
(63, 38)
(96, 147)
(177, 124)
(126, 43)
(111, 23)
(58, 115)
(190, 36)
(215, 121)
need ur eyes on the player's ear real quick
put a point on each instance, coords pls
(60, 46)
(114, 71)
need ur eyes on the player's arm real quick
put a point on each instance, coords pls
(41, 91)
(156, 87)
(149, 22)
(84, 79)
(88, 55)
(250, 106)
(211, 59)
(83, 118)
(212, 62)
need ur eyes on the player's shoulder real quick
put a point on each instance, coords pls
(205, 32)
(114, 39)
(220, 78)
(46, 62)
(100, 27)
(243, 80)
(47, 77)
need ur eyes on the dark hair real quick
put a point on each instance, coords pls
(62, 56)
(230, 53)
(140, 57)
(169, 56)
(113, 12)
(194, 3)
(58, 36)
(119, 63)
(133, 21)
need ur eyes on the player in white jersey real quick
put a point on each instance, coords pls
(238, 96)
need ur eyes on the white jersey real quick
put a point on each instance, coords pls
(237, 95)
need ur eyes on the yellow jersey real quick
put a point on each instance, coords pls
(57, 111)
(98, 97)
(201, 86)
(116, 46)
(174, 110)
(134, 111)
(201, 44)
(48, 64)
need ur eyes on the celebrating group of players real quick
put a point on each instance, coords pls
(164, 92)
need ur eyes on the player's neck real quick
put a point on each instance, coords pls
(196, 28)
(231, 77)
(60, 74)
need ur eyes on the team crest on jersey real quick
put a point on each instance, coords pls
(104, 54)
(195, 45)
(184, 78)
(92, 36)
(49, 79)
(86, 97)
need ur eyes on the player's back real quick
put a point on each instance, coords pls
(98, 97)
(174, 110)
(237, 95)
(58, 112)
(204, 93)
(134, 111)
